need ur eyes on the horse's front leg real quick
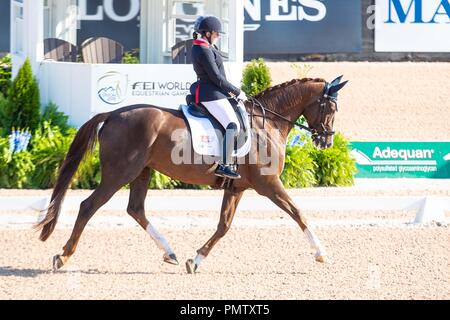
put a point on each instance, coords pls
(274, 190)
(229, 204)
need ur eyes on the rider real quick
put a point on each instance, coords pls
(213, 89)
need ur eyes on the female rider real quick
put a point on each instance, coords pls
(213, 89)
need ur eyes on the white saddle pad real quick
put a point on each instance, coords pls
(205, 139)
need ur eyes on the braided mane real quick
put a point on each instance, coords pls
(283, 96)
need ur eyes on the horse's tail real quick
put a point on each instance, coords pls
(83, 142)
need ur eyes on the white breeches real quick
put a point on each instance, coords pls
(223, 111)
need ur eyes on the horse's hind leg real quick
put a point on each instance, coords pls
(275, 191)
(88, 207)
(229, 205)
(138, 192)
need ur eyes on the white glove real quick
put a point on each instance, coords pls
(242, 96)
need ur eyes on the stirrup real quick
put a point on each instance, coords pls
(227, 171)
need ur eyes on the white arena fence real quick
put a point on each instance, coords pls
(428, 208)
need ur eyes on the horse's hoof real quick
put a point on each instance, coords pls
(57, 262)
(191, 267)
(171, 259)
(321, 258)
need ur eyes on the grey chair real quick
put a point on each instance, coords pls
(60, 50)
(102, 50)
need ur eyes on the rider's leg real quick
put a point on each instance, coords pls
(226, 169)
(223, 111)
(228, 144)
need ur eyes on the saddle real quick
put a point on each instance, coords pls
(199, 111)
(205, 129)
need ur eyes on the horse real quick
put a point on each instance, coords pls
(136, 139)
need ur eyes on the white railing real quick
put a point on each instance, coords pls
(428, 208)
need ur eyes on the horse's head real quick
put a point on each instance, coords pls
(321, 111)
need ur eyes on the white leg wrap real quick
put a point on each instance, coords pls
(198, 259)
(161, 242)
(314, 242)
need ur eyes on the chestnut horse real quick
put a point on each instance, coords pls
(134, 140)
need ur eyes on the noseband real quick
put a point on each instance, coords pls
(322, 105)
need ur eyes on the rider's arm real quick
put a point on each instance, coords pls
(210, 66)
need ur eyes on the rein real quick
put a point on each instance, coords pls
(256, 102)
(314, 132)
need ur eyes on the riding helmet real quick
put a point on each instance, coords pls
(208, 24)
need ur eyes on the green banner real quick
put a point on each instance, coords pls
(402, 159)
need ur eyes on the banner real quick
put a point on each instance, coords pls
(303, 26)
(165, 85)
(115, 19)
(402, 159)
(412, 25)
(4, 25)
(122, 85)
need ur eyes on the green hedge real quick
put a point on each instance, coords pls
(15, 168)
(299, 167)
(308, 166)
(3, 124)
(335, 165)
(56, 118)
(5, 159)
(131, 57)
(256, 77)
(48, 148)
(5, 74)
(22, 108)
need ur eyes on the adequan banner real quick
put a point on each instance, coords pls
(303, 26)
(412, 25)
(402, 159)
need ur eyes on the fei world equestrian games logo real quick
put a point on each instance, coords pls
(112, 87)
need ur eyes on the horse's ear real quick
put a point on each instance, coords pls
(336, 81)
(334, 89)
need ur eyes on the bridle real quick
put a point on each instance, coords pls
(315, 134)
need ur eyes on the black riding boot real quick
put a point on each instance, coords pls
(226, 169)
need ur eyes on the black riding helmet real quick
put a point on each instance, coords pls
(208, 24)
